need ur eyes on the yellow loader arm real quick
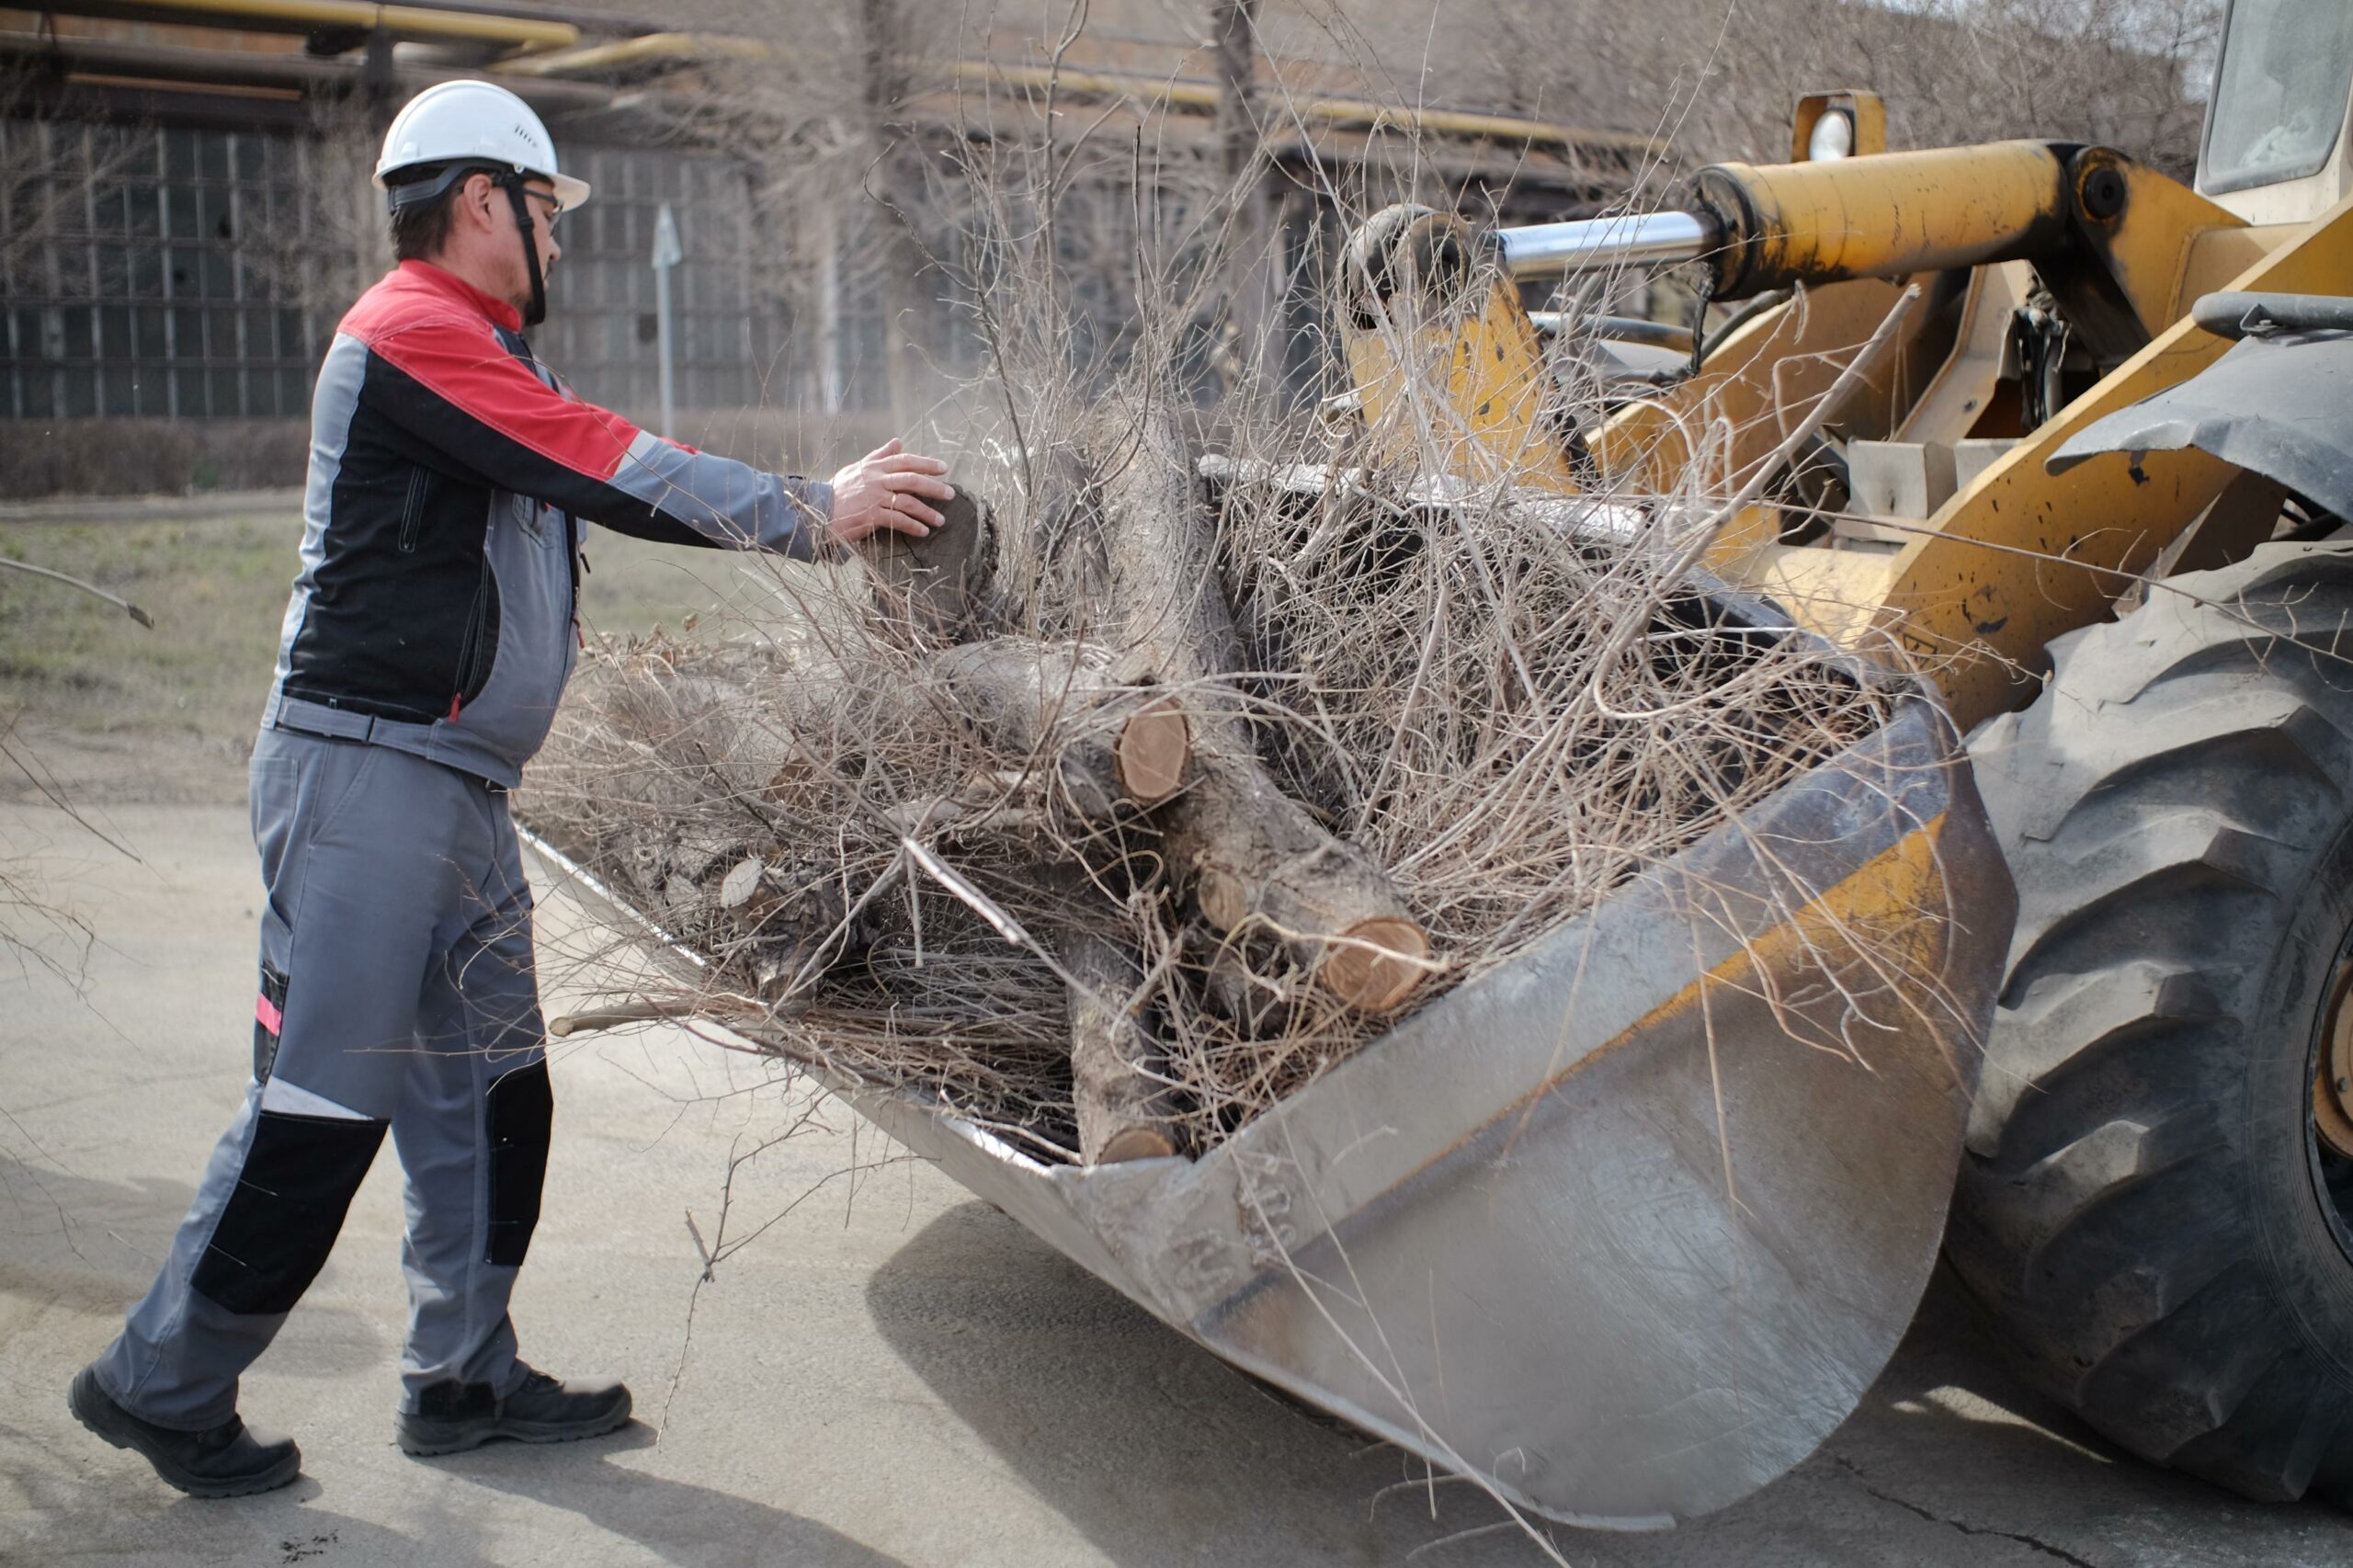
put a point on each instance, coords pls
(2015, 557)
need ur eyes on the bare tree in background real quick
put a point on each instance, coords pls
(50, 170)
(340, 241)
(30, 203)
(893, 183)
(819, 121)
(1249, 352)
(893, 189)
(1720, 76)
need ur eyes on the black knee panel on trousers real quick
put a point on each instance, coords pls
(520, 1114)
(280, 1222)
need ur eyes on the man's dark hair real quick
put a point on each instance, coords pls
(422, 228)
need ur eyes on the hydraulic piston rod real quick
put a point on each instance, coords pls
(1591, 244)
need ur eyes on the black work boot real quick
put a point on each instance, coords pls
(452, 1416)
(228, 1460)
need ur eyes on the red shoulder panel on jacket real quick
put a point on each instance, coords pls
(430, 334)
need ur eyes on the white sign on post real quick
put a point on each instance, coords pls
(668, 253)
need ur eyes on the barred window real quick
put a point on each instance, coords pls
(600, 330)
(193, 273)
(138, 292)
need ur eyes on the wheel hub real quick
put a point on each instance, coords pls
(2333, 1069)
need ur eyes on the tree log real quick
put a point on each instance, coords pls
(1117, 1072)
(1112, 740)
(1247, 851)
(669, 744)
(1076, 704)
(943, 582)
(1255, 856)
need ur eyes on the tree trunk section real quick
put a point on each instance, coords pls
(1118, 1072)
(943, 584)
(1112, 741)
(894, 181)
(1249, 854)
(1250, 260)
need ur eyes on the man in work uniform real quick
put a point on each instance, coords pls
(431, 630)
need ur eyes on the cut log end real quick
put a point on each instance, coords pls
(1377, 964)
(1136, 1143)
(1224, 898)
(941, 580)
(1118, 1074)
(1155, 745)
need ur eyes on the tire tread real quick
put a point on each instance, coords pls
(2163, 805)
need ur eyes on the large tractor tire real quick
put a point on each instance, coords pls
(2155, 1202)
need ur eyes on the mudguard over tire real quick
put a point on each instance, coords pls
(2145, 1204)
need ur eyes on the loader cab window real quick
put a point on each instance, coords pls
(2279, 95)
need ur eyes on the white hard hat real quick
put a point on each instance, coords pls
(473, 122)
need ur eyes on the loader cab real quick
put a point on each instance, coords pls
(2278, 148)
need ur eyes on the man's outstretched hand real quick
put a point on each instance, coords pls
(885, 489)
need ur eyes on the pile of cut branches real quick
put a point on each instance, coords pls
(1118, 808)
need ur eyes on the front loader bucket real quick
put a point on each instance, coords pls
(1625, 1227)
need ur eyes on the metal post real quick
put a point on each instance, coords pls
(668, 253)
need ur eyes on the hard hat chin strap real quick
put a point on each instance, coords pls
(512, 182)
(536, 311)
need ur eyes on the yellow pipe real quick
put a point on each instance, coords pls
(680, 46)
(405, 21)
(637, 52)
(1206, 95)
(1465, 122)
(1087, 84)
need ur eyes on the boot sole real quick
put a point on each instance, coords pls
(421, 1440)
(94, 1410)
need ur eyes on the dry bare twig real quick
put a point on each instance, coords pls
(1497, 720)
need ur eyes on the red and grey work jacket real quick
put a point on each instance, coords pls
(436, 605)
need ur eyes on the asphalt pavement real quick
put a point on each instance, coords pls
(886, 1373)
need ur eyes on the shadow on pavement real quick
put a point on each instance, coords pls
(1953, 1437)
(1151, 1446)
(676, 1520)
(1951, 1348)
(1156, 1451)
(1951, 1410)
(86, 1229)
(94, 1520)
(88, 1248)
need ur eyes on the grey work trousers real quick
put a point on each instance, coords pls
(397, 990)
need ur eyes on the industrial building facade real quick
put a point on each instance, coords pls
(184, 215)
(170, 280)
